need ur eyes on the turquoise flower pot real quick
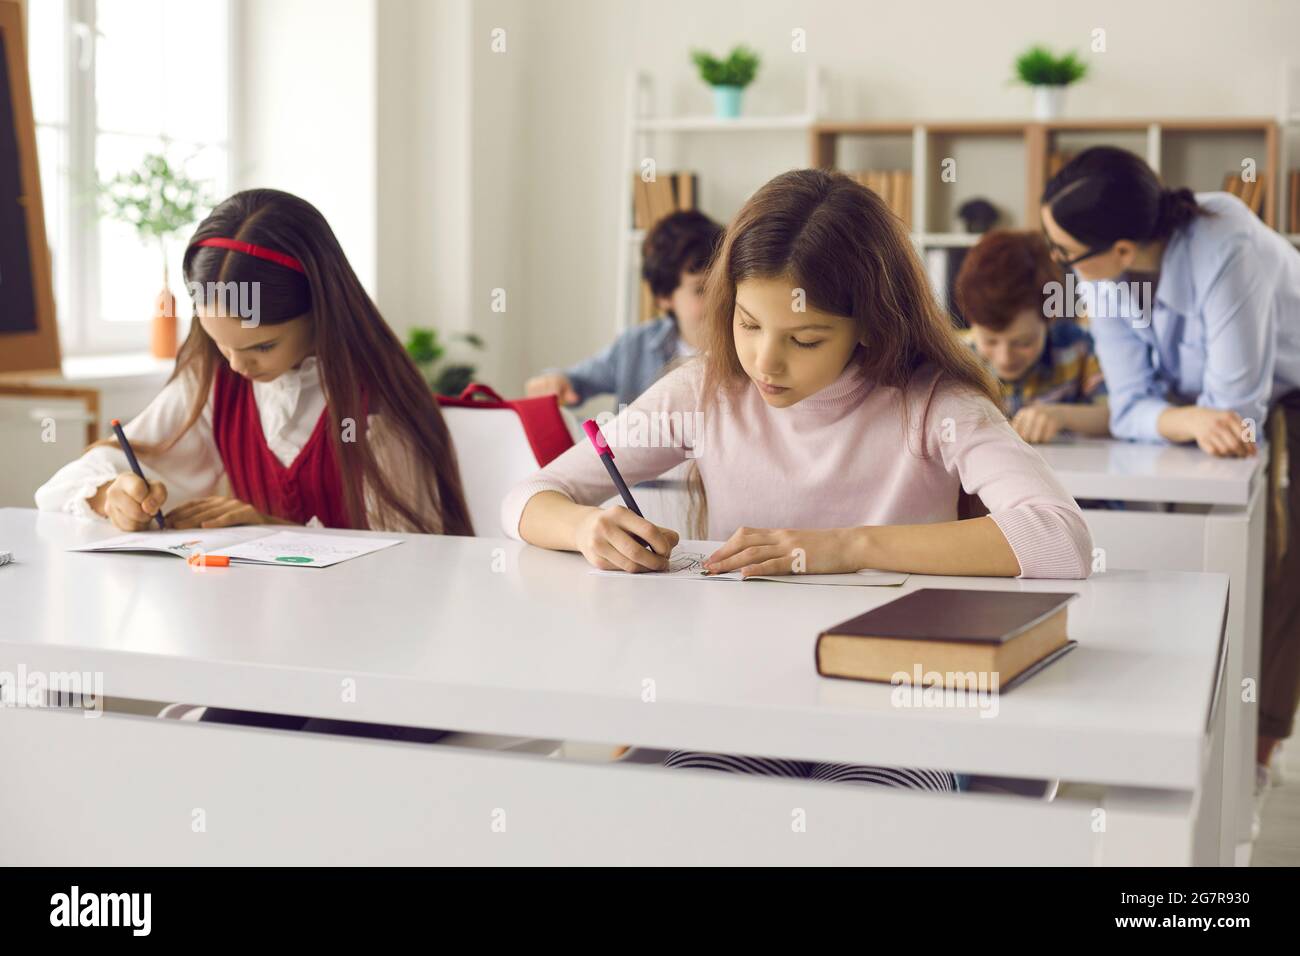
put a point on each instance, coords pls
(726, 101)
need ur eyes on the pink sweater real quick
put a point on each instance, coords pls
(842, 457)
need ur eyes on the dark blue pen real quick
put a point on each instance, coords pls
(135, 465)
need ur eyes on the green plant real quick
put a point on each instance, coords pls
(1038, 66)
(426, 350)
(155, 198)
(738, 69)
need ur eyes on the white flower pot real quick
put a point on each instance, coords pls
(1049, 102)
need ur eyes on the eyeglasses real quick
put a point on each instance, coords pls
(1062, 257)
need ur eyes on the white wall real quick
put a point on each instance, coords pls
(912, 60)
(423, 273)
(504, 170)
(305, 119)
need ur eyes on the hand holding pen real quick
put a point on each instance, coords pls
(620, 540)
(154, 493)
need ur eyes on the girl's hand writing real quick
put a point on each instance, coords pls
(604, 536)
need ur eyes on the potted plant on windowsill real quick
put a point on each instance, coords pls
(158, 201)
(426, 350)
(1049, 75)
(728, 77)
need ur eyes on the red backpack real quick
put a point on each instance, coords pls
(543, 423)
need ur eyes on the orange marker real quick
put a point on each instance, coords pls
(209, 560)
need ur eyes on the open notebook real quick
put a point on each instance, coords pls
(686, 564)
(252, 544)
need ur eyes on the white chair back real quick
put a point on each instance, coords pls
(494, 456)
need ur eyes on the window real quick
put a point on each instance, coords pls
(114, 80)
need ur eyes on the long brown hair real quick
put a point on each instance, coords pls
(838, 242)
(364, 369)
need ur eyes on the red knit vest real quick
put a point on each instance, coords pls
(311, 486)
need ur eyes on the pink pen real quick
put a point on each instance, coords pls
(607, 456)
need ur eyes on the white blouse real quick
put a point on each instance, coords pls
(289, 407)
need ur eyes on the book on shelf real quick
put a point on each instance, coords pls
(667, 193)
(1292, 211)
(1252, 192)
(1056, 160)
(1293, 200)
(894, 186)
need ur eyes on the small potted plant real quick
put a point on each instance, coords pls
(1049, 75)
(426, 351)
(158, 200)
(728, 77)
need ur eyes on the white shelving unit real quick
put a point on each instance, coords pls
(642, 125)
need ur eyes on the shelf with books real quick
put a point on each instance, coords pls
(1009, 162)
(1200, 154)
(1240, 161)
(710, 138)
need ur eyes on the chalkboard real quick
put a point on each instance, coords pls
(28, 335)
(17, 301)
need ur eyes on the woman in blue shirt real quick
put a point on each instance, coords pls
(1194, 305)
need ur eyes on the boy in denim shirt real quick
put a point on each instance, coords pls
(675, 259)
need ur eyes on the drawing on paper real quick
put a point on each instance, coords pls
(686, 562)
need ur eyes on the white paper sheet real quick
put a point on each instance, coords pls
(253, 544)
(686, 564)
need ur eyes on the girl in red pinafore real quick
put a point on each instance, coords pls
(292, 402)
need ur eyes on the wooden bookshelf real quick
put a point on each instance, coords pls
(1187, 147)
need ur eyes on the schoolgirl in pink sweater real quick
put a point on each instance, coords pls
(835, 412)
(835, 420)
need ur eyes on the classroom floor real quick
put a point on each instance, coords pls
(1279, 835)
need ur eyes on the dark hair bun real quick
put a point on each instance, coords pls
(1178, 207)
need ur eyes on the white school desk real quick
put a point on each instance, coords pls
(494, 636)
(1217, 524)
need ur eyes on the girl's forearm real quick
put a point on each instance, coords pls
(975, 547)
(1084, 419)
(550, 520)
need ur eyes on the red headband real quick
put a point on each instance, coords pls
(261, 252)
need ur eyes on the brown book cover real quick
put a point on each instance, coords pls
(1247, 193)
(640, 203)
(1294, 193)
(662, 202)
(1232, 183)
(1260, 196)
(685, 191)
(904, 193)
(646, 303)
(948, 631)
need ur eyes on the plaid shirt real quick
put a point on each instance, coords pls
(1066, 373)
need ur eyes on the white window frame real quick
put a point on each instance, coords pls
(82, 330)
